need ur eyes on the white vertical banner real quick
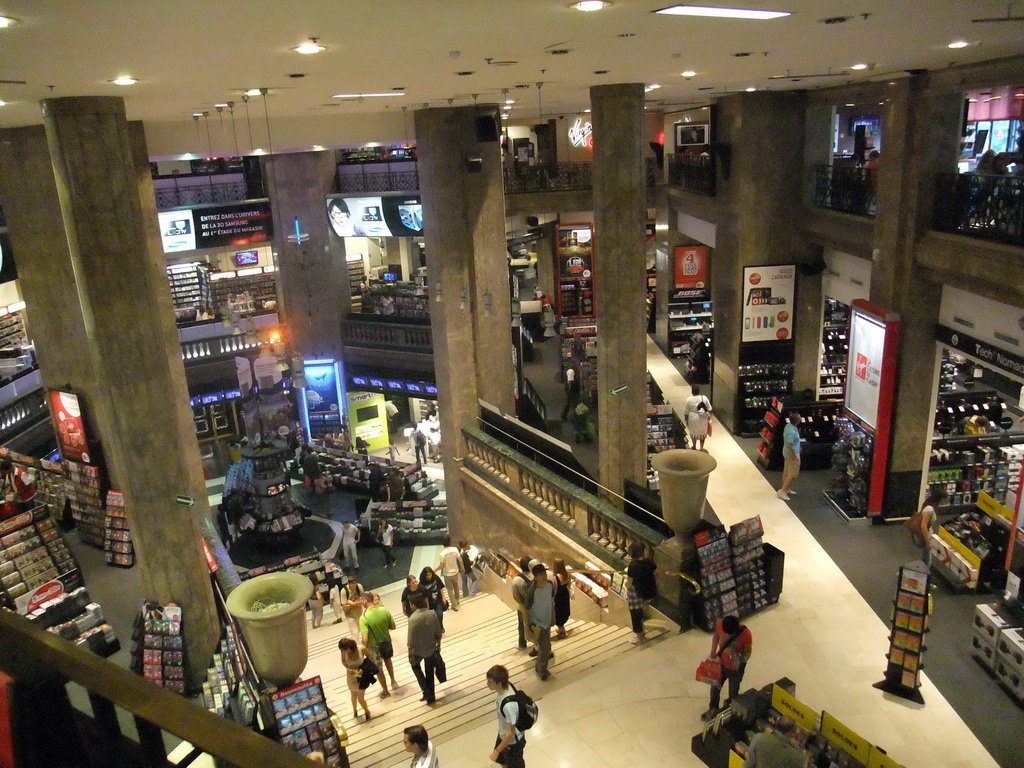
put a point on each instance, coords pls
(768, 302)
(864, 377)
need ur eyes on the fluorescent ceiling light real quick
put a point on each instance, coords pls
(859, 66)
(222, 105)
(3, 103)
(590, 5)
(720, 13)
(751, 89)
(689, 73)
(651, 87)
(197, 114)
(124, 80)
(366, 95)
(510, 101)
(850, 105)
(7, 21)
(310, 47)
(253, 92)
(958, 44)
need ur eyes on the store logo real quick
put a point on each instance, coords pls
(45, 593)
(575, 265)
(755, 278)
(581, 134)
(860, 370)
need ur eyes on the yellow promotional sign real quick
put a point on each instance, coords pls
(793, 708)
(879, 759)
(735, 759)
(993, 508)
(855, 746)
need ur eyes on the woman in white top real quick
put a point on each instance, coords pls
(922, 533)
(415, 741)
(697, 413)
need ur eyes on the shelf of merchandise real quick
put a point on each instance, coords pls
(954, 408)
(684, 319)
(852, 456)
(190, 286)
(415, 522)
(303, 722)
(117, 537)
(356, 278)
(817, 434)
(410, 299)
(664, 429)
(32, 553)
(258, 291)
(84, 491)
(351, 471)
(758, 386)
(835, 349)
(157, 652)
(966, 465)
(969, 549)
(12, 330)
(579, 348)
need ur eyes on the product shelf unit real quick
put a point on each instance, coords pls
(117, 536)
(248, 294)
(303, 721)
(765, 371)
(664, 429)
(351, 471)
(967, 465)
(158, 651)
(969, 550)
(415, 522)
(904, 660)
(835, 349)
(32, 554)
(817, 434)
(852, 458)
(686, 318)
(579, 348)
(190, 287)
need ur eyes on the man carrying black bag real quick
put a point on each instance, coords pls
(424, 643)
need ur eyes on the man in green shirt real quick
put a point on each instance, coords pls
(375, 626)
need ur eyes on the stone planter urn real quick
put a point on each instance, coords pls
(271, 610)
(683, 478)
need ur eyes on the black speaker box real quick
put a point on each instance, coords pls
(487, 127)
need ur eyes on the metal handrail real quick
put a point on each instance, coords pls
(28, 652)
(850, 189)
(988, 207)
(694, 174)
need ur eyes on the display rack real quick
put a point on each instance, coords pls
(260, 480)
(758, 385)
(852, 455)
(579, 348)
(303, 721)
(415, 522)
(718, 584)
(685, 318)
(158, 651)
(835, 349)
(356, 279)
(906, 637)
(969, 549)
(33, 554)
(117, 536)
(749, 566)
(246, 294)
(966, 465)
(410, 299)
(664, 429)
(190, 287)
(817, 434)
(350, 471)
(12, 330)
(84, 491)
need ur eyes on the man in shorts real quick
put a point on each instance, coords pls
(790, 455)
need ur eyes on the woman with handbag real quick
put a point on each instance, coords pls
(431, 585)
(359, 678)
(732, 645)
(697, 415)
(922, 523)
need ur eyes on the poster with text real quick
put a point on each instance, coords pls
(768, 302)
(67, 414)
(863, 383)
(576, 270)
(692, 267)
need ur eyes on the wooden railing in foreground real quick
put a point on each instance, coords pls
(33, 656)
(594, 523)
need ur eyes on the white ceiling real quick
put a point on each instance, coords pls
(191, 54)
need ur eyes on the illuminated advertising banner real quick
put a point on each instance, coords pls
(375, 216)
(576, 270)
(67, 415)
(322, 388)
(368, 418)
(768, 303)
(863, 384)
(692, 268)
(216, 226)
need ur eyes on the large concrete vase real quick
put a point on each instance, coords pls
(277, 637)
(683, 479)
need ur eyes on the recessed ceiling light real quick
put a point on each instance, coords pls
(689, 73)
(197, 114)
(124, 80)
(751, 89)
(590, 5)
(586, 111)
(253, 92)
(851, 105)
(651, 87)
(973, 101)
(958, 44)
(510, 101)
(366, 95)
(720, 13)
(310, 47)
(859, 66)
(7, 21)
(3, 103)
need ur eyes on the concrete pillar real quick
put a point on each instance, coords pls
(82, 217)
(620, 216)
(920, 131)
(312, 277)
(467, 264)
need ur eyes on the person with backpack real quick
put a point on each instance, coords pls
(732, 644)
(517, 713)
(697, 415)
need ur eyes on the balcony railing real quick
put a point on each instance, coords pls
(846, 189)
(377, 334)
(694, 174)
(379, 181)
(592, 522)
(988, 207)
(193, 192)
(562, 177)
(46, 669)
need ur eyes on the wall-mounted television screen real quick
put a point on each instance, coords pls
(691, 134)
(244, 258)
(367, 414)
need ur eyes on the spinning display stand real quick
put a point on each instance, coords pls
(906, 638)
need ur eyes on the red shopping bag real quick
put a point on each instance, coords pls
(710, 671)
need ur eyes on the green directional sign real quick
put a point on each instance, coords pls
(185, 501)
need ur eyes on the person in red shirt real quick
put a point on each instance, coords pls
(732, 644)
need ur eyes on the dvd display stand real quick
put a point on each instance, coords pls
(117, 537)
(158, 651)
(304, 723)
(835, 349)
(906, 639)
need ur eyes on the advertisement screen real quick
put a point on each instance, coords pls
(67, 415)
(375, 216)
(215, 226)
(692, 267)
(243, 258)
(768, 303)
(321, 388)
(867, 341)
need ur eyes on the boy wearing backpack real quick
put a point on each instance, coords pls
(517, 713)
